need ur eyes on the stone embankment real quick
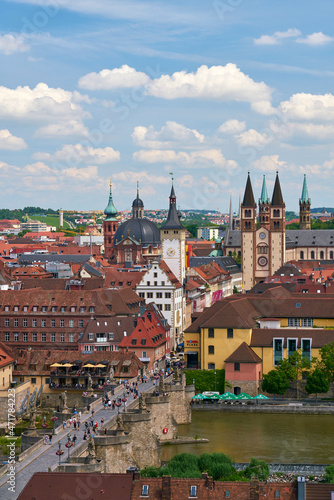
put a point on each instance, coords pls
(262, 408)
(280, 471)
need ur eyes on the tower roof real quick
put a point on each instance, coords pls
(173, 219)
(305, 198)
(110, 211)
(248, 196)
(137, 202)
(277, 199)
(264, 194)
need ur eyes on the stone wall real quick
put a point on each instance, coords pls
(302, 394)
(162, 417)
(251, 387)
(52, 400)
(21, 391)
(179, 406)
(115, 451)
(145, 445)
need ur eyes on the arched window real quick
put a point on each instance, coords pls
(321, 254)
(331, 256)
(109, 228)
(301, 255)
(109, 241)
(248, 213)
(114, 227)
(312, 254)
(276, 224)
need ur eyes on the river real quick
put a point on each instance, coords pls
(276, 438)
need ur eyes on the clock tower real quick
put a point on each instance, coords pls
(173, 237)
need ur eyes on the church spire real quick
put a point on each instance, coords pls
(264, 194)
(173, 220)
(137, 206)
(110, 211)
(231, 214)
(248, 196)
(305, 198)
(277, 199)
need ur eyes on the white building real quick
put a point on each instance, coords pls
(207, 233)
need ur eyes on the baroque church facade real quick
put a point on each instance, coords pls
(263, 242)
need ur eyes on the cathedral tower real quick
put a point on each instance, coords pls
(173, 237)
(305, 208)
(264, 206)
(248, 229)
(110, 225)
(277, 228)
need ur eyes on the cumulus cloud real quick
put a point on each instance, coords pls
(269, 164)
(107, 79)
(253, 138)
(308, 107)
(62, 129)
(127, 176)
(225, 83)
(195, 159)
(277, 37)
(316, 39)
(9, 141)
(11, 43)
(74, 154)
(318, 131)
(232, 127)
(167, 136)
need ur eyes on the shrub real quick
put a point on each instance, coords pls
(329, 474)
(258, 468)
(205, 380)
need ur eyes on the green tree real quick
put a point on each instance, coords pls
(183, 465)
(294, 367)
(326, 363)
(329, 474)
(217, 465)
(317, 382)
(275, 382)
(237, 258)
(258, 468)
(205, 380)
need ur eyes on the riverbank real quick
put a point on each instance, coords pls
(185, 440)
(282, 408)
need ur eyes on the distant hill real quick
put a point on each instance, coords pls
(322, 209)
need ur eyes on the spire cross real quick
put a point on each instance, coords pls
(137, 189)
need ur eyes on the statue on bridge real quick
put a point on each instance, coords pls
(90, 384)
(120, 424)
(63, 398)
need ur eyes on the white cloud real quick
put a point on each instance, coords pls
(11, 43)
(317, 131)
(195, 159)
(167, 136)
(277, 37)
(41, 103)
(63, 129)
(232, 127)
(107, 79)
(128, 176)
(308, 107)
(225, 83)
(269, 164)
(316, 39)
(9, 141)
(74, 154)
(253, 138)
(80, 174)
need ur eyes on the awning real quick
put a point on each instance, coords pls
(244, 395)
(100, 366)
(67, 365)
(260, 396)
(55, 365)
(227, 396)
(88, 365)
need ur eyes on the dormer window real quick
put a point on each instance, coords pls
(144, 490)
(72, 309)
(44, 309)
(35, 308)
(193, 491)
(16, 308)
(6, 308)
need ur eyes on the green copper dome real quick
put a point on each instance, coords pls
(264, 195)
(110, 210)
(305, 198)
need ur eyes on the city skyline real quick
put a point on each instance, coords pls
(136, 90)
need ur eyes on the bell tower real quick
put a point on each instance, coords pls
(264, 206)
(277, 228)
(110, 225)
(248, 229)
(305, 208)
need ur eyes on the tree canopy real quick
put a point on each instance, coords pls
(275, 382)
(317, 382)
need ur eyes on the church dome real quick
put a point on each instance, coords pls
(138, 203)
(143, 231)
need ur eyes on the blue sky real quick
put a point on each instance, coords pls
(134, 90)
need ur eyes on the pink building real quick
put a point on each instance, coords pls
(243, 370)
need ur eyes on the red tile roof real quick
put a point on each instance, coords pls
(170, 274)
(243, 354)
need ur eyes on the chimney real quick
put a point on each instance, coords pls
(254, 489)
(149, 316)
(166, 488)
(208, 480)
(301, 495)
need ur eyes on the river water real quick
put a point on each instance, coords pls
(282, 438)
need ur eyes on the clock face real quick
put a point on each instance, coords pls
(262, 261)
(170, 252)
(262, 235)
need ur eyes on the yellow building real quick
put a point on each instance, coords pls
(274, 325)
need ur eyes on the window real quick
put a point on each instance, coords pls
(44, 309)
(148, 283)
(16, 322)
(92, 309)
(6, 308)
(71, 337)
(155, 275)
(134, 341)
(167, 295)
(331, 255)
(278, 350)
(80, 323)
(211, 349)
(43, 337)
(312, 255)
(43, 323)
(25, 337)
(144, 354)
(47, 380)
(71, 323)
(7, 337)
(63, 309)
(167, 307)
(53, 309)
(6, 322)
(159, 295)
(307, 322)
(295, 322)
(162, 283)
(301, 255)
(35, 308)
(292, 346)
(144, 490)
(33, 380)
(62, 323)
(230, 333)
(16, 308)
(82, 309)
(34, 337)
(159, 306)
(306, 349)
(277, 494)
(25, 309)
(91, 336)
(155, 283)
(143, 341)
(53, 323)
(25, 322)
(211, 366)
(211, 334)
(111, 336)
(16, 337)
(72, 309)
(321, 255)
(227, 494)
(193, 491)
(62, 337)
(150, 295)
(142, 295)
(53, 337)
(34, 322)
(237, 367)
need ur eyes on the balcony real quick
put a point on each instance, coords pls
(145, 360)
